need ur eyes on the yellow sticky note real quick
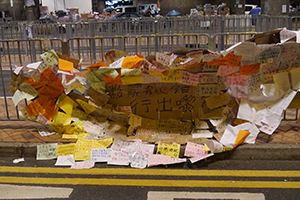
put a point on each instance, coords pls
(135, 120)
(66, 103)
(65, 65)
(174, 76)
(86, 106)
(65, 149)
(241, 138)
(58, 127)
(62, 118)
(84, 147)
(168, 150)
(129, 80)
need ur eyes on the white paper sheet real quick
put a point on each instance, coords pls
(83, 165)
(101, 155)
(65, 161)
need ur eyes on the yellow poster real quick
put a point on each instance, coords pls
(65, 149)
(84, 147)
(168, 150)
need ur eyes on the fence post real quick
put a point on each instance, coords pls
(222, 30)
(156, 38)
(68, 31)
(212, 43)
(65, 48)
(92, 35)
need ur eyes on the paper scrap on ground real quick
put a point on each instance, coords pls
(118, 158)
(138, 161)
(45, 133)
(46, 151)
(194, 150)
(101, 155)
(18, 160)
(83, 165)
(198, 158)
(65, 161)
(168, 150)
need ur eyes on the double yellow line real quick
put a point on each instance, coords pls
(152, 182)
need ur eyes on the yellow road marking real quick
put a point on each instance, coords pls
(154, 183)
(153, 172)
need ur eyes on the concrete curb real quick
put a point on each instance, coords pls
(243, 152)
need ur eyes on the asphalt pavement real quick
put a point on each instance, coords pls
(227, 179)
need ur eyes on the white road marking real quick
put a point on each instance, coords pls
(154, 195)
(33, 192)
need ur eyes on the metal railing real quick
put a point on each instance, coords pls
(210, 25)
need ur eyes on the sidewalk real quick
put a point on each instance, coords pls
(24, 134)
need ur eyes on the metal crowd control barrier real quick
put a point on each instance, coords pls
(210, 25)
(92, 50)
(19, 53)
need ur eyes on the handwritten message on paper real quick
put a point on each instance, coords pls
(50, 58)
(208, 78)
(83, 165)
(165, 59)
(46, 151)
(174, 76)
(66, 149)
(194, 150)
(188, 78)
(236, 79)
(225, 70)
(86, 106)
(233, 60)
(101, 155)
(254, 81)
(168, 149)
(151, 79)
(218, 101)
(207, 90)
(270, 53)
(118, 158)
